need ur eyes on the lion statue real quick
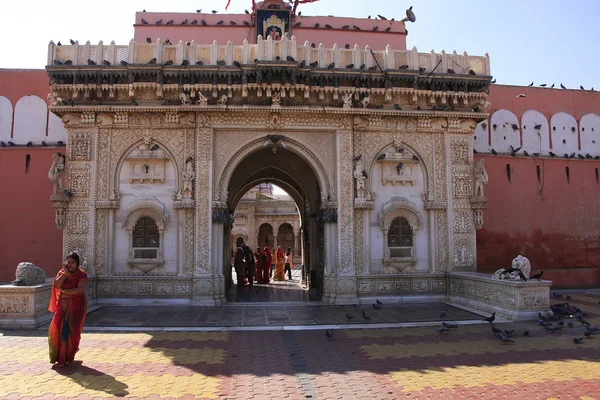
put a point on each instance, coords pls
(519, 270)
(29, 274)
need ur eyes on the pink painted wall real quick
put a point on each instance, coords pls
(396, 38)
(554, 222)
(28, 229)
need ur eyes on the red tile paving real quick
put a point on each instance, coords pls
(407, 363)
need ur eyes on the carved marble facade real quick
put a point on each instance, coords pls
(154, 187)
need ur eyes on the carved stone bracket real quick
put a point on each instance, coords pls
(221, 214)
(478, 204)
(60, 203)
(363, 204)
(187, 203)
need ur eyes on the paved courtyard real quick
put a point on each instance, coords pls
(393, 363)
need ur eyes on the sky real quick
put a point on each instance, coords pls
(544, 41)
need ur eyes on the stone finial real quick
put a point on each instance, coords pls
(28, 274)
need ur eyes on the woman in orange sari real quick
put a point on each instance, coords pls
(69, 305)
(279, 274)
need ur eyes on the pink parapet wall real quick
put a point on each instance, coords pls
(377, 40)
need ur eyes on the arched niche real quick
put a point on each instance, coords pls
(536, 132)
(265, 235)
(399, 256)
(56, 130)
(31, 114)
(481, 137)
(504, 131)
(590, 134)
(141, 258)
(564, 134)
(6, 115)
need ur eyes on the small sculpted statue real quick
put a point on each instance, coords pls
(519, 270)
(28, 274)
(481, 177)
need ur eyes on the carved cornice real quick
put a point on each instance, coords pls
(188, 203)
(107, 204)
(435, 205)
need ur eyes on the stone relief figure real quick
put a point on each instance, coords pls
(60, 218)
(28, 274)
(202, 100)
(185, 98)
(222, 100)
(188, 179)
(360, 178)
(519, 270)
(347, 98)
(481, 178)
(56, 172)
(276, 99)
(365, 102)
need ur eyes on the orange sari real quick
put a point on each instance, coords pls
(69, 311)
(279, 274)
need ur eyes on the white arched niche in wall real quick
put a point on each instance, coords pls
(481, 137)
(536, 133)
(564, 134)
(6, 114)
(505, 131)
(590, 134)
(30, 120)
(141, 258)
(56, 130)
(401, 256)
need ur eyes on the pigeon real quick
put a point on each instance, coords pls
(443, 313)
(144, 22)
(399, 167)
(246, 12)
(194, 22)
(577, 340)
(170, 62)
(246, 23)
(29, 144)
(531, 84)
(184, 22)
(379, 302)
(505, 339)
(397, 107)
(158, 22)
(377, 306)
(496, 330)
(365, 316)
(134, 102)
(537, 126)
(562, 86)
(494, 152)
(381, 157)
(297, 24)
(170, 22)
(350, 317)
(525, 333)
(449, 326)
(509, 332)
(124, 63)
(358, 157)
(220, 22)
(347, 46)
(44, 143)
(328, 334)
(214, 11)
(493, 81)
(570, 324)
(443, 330)
(521, 95)
(68, 193)
(290, 59)
(491, 318)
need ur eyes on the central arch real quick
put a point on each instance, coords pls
(298, 173)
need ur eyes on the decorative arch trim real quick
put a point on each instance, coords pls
(147, 206)
(257, 144)
(116, 172)
(400, 207)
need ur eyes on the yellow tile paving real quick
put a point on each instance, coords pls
(136, 385)
(132, 355)
(546, 341)
(506, 374)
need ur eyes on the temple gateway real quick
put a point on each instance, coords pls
(373, 145)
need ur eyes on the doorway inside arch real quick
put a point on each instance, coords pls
(275, 200)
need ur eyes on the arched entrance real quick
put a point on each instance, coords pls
(285, 237)
(265, 236)
(289, 169)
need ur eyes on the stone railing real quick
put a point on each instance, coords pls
(267, 50)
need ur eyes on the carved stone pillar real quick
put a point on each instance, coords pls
(208, 274)
(346, 292)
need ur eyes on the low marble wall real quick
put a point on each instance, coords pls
(403, 287)
(25, 307)
(518, 301)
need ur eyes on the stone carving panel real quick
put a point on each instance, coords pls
(101, 245)
(103, 166)
(189, 237)
(14, 304)
(441, 229)
(462, 222)
(461, 152)
(79, 179)
(345, 204)
(203, 207)
(464, 254)
(80, 145)
(359, 242)
(77, 222)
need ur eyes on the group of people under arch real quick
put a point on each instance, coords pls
(262, 265)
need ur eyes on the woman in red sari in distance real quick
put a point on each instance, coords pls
(69, 305)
